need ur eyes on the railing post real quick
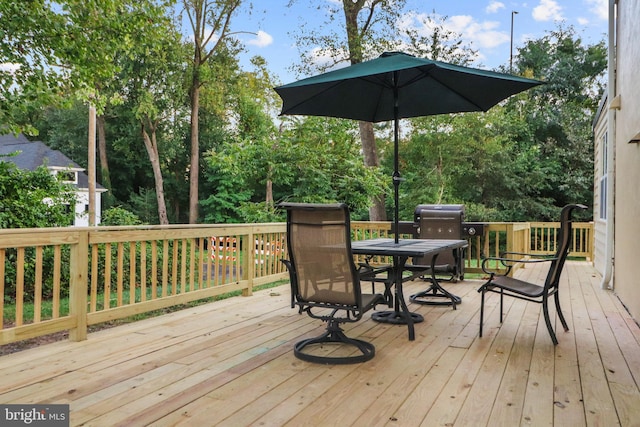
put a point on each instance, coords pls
(510, 243)
(249, 263)
(78, 286)
(510, 237)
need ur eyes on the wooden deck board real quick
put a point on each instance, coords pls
(231, 363)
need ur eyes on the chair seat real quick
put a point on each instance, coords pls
(517, 286)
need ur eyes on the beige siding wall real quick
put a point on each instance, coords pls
(627, 183)
(599, 224)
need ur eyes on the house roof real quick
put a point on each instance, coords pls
(33, 154)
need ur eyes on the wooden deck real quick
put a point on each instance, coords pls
(230, 363)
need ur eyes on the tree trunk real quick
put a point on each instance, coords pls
(269, 196)
(367, 137)
(108, 198)
(207, 18)
(194, 170)
(370, 154)
(151, 145)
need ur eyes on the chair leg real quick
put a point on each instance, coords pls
(481, 310)
(547, 320)
(559, 311)
(501, 304)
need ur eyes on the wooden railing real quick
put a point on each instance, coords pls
(66, 279)
(538, 238)
(69, 278)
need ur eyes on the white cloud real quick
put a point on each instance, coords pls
(583, 21)
(480, 35)
(494, 6)
(262, 39)
(9, 67)
(484, 34)
(548, 10)
(600, 8)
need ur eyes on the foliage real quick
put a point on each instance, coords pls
(29, 81)
(210, 24)
(522, 160)
(257, 212)
(559, 116)
(316, 160)
(369, 30)
(30, 272)
(240, 167)
(30, 199)
(429, 36)
(119, 216)
(71, 46)
(223, 205)
(66, 130)
(33, 199)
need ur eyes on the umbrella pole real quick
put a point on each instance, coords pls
(396, 159)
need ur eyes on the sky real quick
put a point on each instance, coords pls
(484, 24)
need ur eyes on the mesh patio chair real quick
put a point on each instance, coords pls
(325, 282)
(504, 285)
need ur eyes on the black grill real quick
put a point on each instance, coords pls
(467, 229)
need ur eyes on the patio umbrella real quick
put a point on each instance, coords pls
(397, 85)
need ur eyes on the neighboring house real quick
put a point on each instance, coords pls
(32, 155)
(617, 160)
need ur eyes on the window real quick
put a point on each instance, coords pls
(603, 197)
(604, 149)
(68, 177)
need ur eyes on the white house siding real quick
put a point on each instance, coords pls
(627, 158)
(81, 208)
(600, 132)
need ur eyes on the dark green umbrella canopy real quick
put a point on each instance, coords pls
(422, 87)
(395, 86)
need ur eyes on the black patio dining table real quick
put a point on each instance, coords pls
(400, 253)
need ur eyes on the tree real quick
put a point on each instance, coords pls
(525, 158)
(372, 27)
(369, 26)
(72, 46)
(428, 36)
(152, 89)
(559, 114)
(317, 160)
(31, 74)
(210, 22)
(55, 52)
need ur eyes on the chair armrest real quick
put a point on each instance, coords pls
(527, 255)
(293, 281)
(511, 260)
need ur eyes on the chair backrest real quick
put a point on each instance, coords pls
(435, 224)
(563, 245)
(321, 266)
